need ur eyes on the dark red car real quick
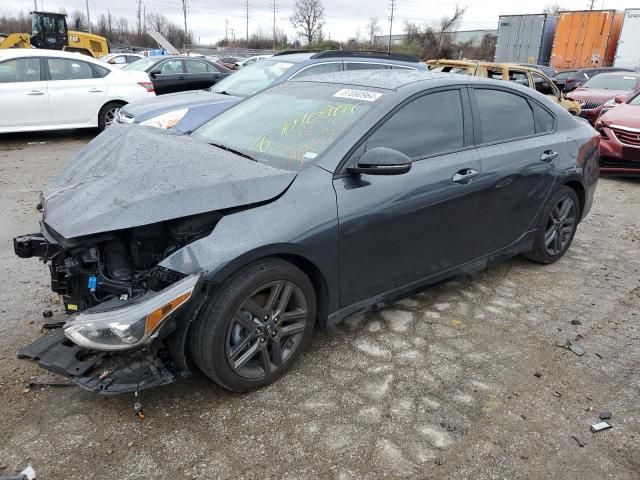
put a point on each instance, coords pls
(620, 143)
(600, 92)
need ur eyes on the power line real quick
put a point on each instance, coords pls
(393, 5)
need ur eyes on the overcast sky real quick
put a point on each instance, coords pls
(206, 18)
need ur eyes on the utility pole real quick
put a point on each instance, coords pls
(88, 17)
(275, 8)
(233, 35)
(184, 11)
(591, 4)
(247, 14)
(393, 5)
(144, 18)
(226, 30)
(139, 18)
(35, 5)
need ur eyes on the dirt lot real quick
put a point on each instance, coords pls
(461, 381)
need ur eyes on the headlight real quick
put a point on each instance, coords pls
(131, 325)
(166, 120)
(610, 103)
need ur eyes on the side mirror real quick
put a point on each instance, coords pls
(619, 99)
(382, 161)
(153, 73)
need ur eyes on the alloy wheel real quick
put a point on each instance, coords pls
(560, 226)
(266, 329)
(110, 116)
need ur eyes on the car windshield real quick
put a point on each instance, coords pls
(141, 65)
(564, 75)
(612, 82)
(288, 125)
(252, 79)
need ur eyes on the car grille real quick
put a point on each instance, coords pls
(591, 104)
(627, 137)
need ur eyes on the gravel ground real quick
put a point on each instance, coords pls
(460, 381)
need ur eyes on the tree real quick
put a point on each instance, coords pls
(308, 17)
(373, 28)
(449, 24)
(552, 9)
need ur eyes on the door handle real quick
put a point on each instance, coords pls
(96, 90)
(35, 92)
(181, 77)
(465, 175)
(549, 156)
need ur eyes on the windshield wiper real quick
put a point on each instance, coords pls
(221, 92)
(232, 150)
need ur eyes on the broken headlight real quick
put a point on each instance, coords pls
(131, 325)
(166, 120)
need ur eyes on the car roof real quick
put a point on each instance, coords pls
(474, 63)
(620, 74)
(337, 56)
(387, 80)
(38, 52)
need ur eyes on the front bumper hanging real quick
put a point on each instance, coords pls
(106, 373)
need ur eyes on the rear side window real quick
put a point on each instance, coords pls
(196, 66)
(67, 69)
(503, 115)
(544, 120)
(365, 66)
(318, 69)
(428, 125)
(100, 71)
(20, 70)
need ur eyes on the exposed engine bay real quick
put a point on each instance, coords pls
(124, 264)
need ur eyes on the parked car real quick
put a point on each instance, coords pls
(187, 111)
(601, 92)
(55, 90)
(250, 60)
(308, 202)
(560, 78)
(230, 62)
(119, 60)
(620, 144)
(171, 74)
(547, 70)
(581, 76)
(531, 77)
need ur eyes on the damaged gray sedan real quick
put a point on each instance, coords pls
(311, 201)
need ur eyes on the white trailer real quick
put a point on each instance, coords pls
(628, 53)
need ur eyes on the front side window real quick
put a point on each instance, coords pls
(519, 78)
(252, 79)
(428, 125)
(171, 67)
(635, 100)
(543, 85)
(544, 120)
(20, 70)
(120, 60)
(503, 115)
(67, 69)
(287, 126)
(318, 69)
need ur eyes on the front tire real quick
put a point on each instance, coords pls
(107, 114)
(556, 227)
(255, 326)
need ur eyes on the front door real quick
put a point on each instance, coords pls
(23, 94)
(75, 94)
(170, 76)
(518, 150)
(396, 230)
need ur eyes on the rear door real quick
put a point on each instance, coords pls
(75, 91)
(169, 77)
(23, 94)
(401, 229)
(518, 148)
(200, 74)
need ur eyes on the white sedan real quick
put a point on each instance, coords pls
(119, 60)
(54, 90)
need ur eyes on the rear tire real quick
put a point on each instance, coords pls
(107, 114)
(557, 225)
(255, 326)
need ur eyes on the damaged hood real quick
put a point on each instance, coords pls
(131, 176)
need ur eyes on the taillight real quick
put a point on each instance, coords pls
(148, 86)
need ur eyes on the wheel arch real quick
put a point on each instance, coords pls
(577, 186)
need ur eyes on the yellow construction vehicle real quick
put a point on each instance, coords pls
(49, 30)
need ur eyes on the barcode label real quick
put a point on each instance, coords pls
(363, 95)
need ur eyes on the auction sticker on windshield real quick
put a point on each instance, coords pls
(364, 95)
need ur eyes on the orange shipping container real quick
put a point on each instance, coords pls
(586, 39)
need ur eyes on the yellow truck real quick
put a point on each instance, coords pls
(528, 76)
(49, 30)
